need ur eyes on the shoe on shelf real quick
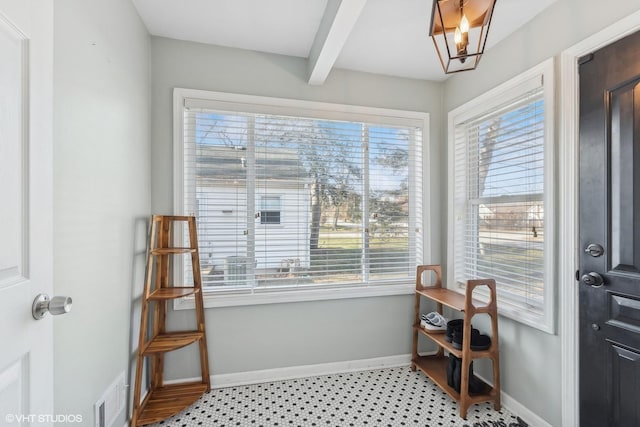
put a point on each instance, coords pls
(454, 376)
(433, 322)
(453, 325)
(475, 385)
(451, 367)
(453, 372)
(482, 342)
(479, 341)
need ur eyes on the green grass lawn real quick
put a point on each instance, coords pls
(336, 241)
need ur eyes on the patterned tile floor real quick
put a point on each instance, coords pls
(385, 397)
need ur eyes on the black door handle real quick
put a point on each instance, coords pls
(593, 279)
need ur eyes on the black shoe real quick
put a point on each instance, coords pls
(475, 385)
(478, 341)
(453, 325)
(451, 366)
(454, 376)
(481, 342)
(457, 374)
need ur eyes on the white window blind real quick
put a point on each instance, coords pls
(301, 202)
(499, 187)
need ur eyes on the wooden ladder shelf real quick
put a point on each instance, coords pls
(164, 400)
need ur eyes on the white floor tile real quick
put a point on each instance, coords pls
(385, 397)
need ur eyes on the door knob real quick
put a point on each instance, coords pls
(593, 279)
(56, 305)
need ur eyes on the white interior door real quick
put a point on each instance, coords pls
(26, 355)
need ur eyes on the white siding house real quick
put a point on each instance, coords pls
(271, 231)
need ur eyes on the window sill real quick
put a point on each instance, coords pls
(517, 314)
(258, 297)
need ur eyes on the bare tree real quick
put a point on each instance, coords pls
(329, 161)
(486, 148)
(388, 207)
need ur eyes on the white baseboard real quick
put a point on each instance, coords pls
(294, 372)
(518, 409)
(522, 411)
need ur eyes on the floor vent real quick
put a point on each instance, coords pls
(111, 404)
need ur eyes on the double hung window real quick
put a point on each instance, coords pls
(270, 210)
(299, 198)
(501, 195)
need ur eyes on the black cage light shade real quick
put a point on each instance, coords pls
(459, 30)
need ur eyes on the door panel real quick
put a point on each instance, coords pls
(624, 247)
(13, 150)
(610, 216)
(13, 387)
(625, 385)
(26, 59)
(624, 312)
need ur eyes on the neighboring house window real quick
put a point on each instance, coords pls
(270, 210)
(344, 189)
(501, 190)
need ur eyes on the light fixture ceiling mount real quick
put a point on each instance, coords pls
(459, 30)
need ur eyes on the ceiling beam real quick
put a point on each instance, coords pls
(337, 22)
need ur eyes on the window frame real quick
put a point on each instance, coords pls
(482, 104)
(266, 214)
(267, 105)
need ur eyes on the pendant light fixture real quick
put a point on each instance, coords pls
(459, 30)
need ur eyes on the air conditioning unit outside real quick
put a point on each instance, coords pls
(235, 270)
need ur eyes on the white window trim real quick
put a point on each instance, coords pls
(282, 219)
(568, 207)
(482, 103)
(322, 110)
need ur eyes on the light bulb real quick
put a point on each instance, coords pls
(464, 24)
(461, 37)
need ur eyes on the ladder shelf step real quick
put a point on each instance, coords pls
(168, 400)
(171, 341)
(169, 251)
(173, 292)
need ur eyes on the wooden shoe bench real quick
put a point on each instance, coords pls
(435, 366)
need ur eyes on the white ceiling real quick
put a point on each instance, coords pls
(377, 36)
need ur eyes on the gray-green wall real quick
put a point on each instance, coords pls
(102, 192)
(283, 335)
(108, 178)
(530, 359)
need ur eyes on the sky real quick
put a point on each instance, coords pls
(342, 141)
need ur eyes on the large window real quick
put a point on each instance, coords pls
(501, 195)
(299, 198)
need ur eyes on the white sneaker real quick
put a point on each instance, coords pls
(433, 322)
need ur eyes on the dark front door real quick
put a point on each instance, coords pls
(609, 241)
